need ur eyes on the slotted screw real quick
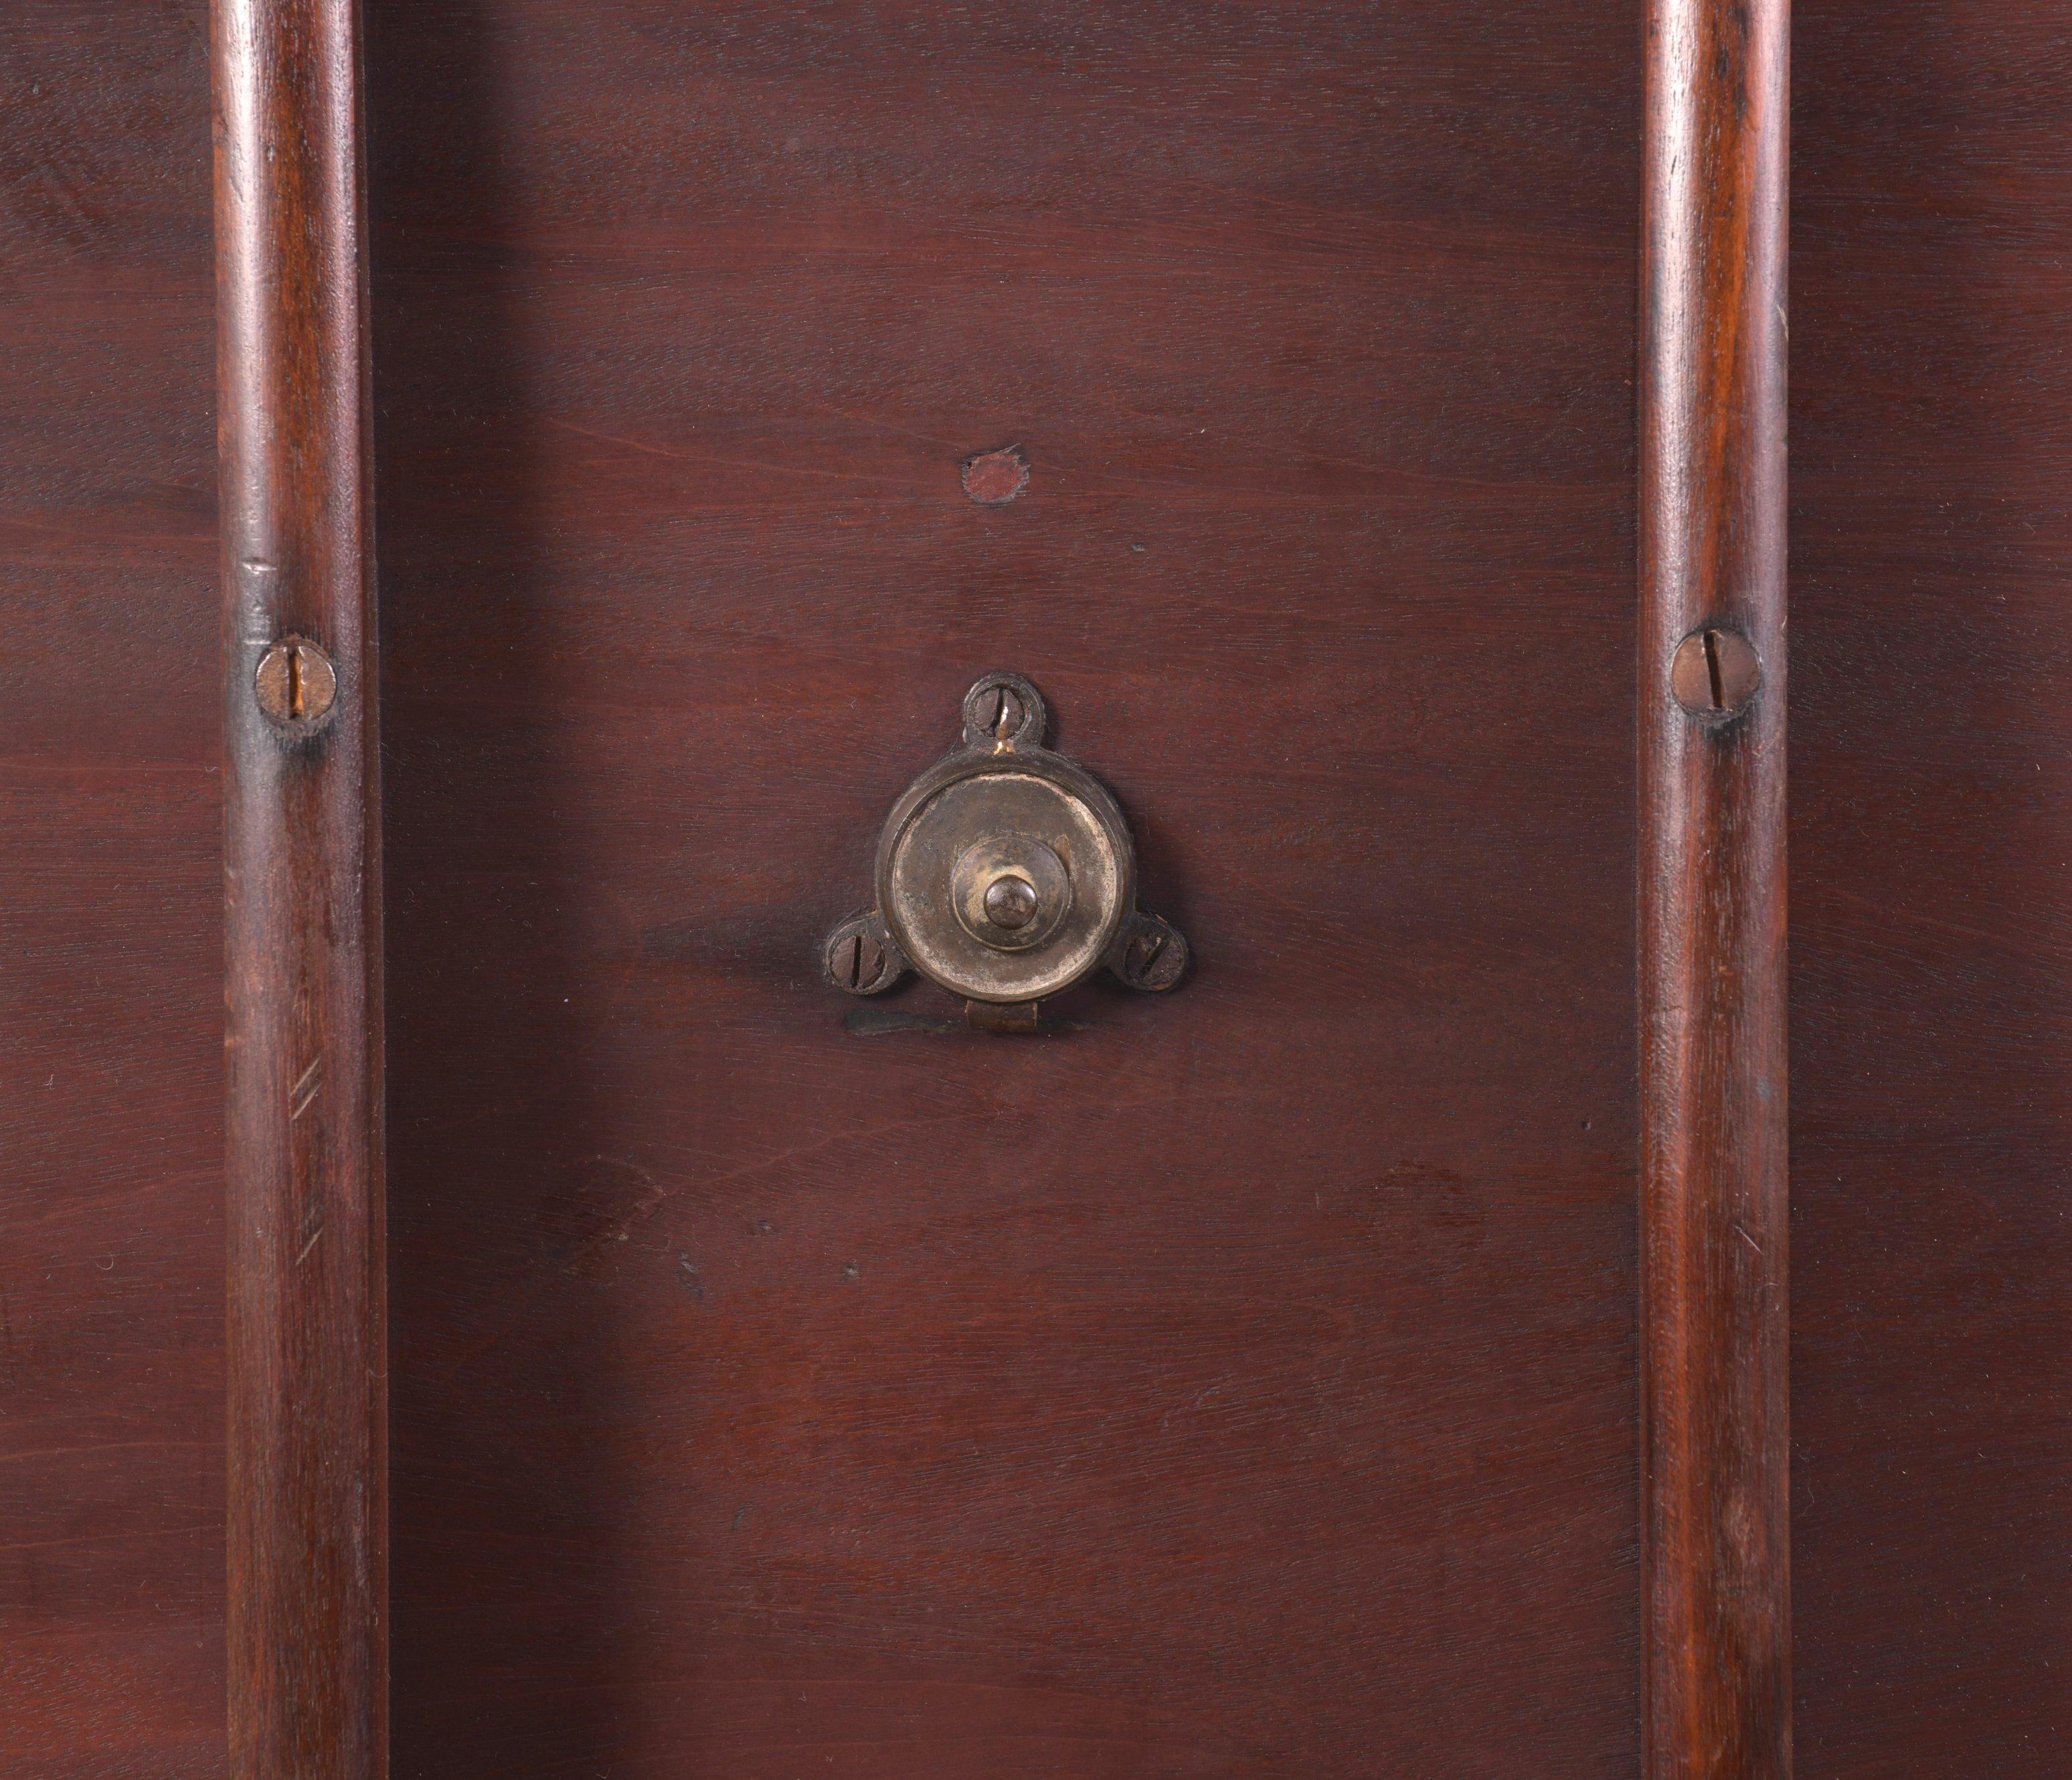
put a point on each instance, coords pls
(858, 960)
(862, 963)
(1714, 673)
(296, 684)
(1001, 713)
(1154, 957)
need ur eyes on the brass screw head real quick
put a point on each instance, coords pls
(857, 959)
(1714, 673)
(1002, 710)
(1001, 713)
(296, 685)
(1154, 958)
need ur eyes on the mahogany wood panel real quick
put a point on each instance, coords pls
(1242, 1383)
(1713, 1190)
(1932, 800)
(306, 1355)
(111, 1074)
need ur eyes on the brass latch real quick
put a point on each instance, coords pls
(1006, 874)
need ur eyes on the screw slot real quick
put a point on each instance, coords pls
(1000, 713)
(1714, 673)
(1155, 956)
(859, 960)
(863, 962)
(296, 685)
(1004, 710)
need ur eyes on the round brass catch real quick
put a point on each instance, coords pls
(1004, 873)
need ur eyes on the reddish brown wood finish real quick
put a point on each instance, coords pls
(306, 1353)
(1931, 1054)
(1933, 1282)
(1241, 1386)
(111, 1046)
(1713, 1201)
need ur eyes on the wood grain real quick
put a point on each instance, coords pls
(1931, 1097)
(764, 1404)
(303, 1155)
(1243, 1384)
(1713, 1135)
(111, 1052)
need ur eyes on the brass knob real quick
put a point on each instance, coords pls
(1010, 901)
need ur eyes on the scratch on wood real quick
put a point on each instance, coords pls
(307, 1087)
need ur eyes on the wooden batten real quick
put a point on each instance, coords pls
(305, 1343)
(1716, 1612)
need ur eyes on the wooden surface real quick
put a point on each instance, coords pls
(1932, 798)
(776, 1401)
(1716, 1507)
(306, 1360)
(111, 1073)
(1242, 1384)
